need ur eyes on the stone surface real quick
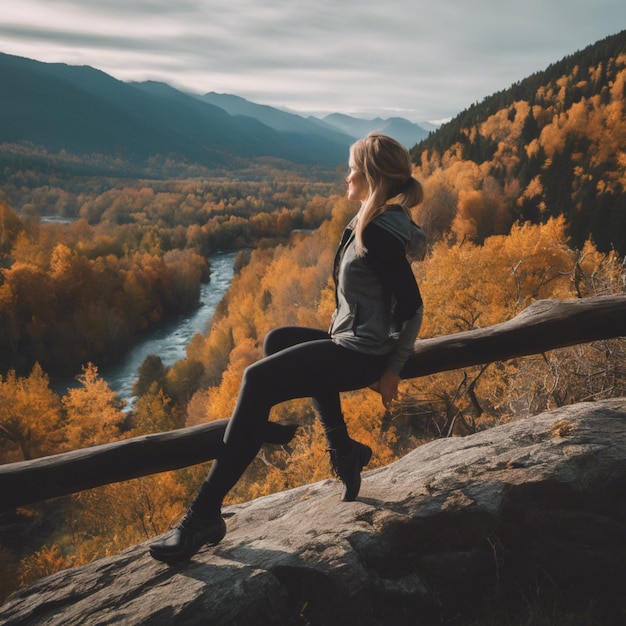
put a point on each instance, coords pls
(533, 511)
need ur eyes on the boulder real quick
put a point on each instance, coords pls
(528, 516)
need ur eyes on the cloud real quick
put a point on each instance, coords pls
(416, 58)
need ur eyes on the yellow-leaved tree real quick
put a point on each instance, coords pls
(93, 412)
(30, 416)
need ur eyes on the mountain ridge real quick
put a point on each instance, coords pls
(403, 130)
(85, 111)
(406, 132)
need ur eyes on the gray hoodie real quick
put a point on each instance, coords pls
(363, 319)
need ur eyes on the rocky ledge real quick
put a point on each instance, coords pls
(528, 515)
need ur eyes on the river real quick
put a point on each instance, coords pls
(170, 341)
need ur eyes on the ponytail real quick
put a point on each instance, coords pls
(387, 167)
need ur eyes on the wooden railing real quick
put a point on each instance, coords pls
(543, 326)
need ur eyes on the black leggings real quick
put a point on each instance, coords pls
(298, 363)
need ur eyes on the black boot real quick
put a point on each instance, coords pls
(181, 543)
(347, 467)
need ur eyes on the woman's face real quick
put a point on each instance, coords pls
(357, 185)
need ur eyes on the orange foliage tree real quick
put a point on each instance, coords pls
(93, 412)
(30, 417)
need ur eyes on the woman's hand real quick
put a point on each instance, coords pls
(387, 387)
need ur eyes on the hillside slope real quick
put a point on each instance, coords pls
(552, 144)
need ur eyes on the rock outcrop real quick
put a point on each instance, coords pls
(528, 514)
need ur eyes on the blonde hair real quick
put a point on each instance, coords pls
(388, 170)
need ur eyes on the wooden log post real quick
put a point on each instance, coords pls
(61, 474)
(544, 325)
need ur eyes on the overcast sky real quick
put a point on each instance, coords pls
(420, 59)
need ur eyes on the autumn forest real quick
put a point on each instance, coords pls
(525, 198)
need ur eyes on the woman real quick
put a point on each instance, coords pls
(372, 332)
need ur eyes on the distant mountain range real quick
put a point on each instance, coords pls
(84, 111)
(406, 132)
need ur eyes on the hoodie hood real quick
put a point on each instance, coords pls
(396, 222)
